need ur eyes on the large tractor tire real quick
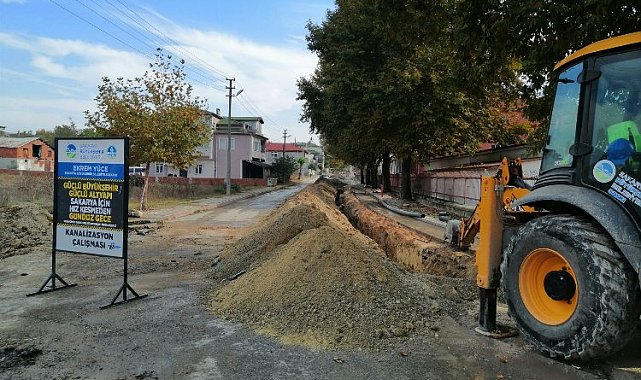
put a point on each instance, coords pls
(570, 290)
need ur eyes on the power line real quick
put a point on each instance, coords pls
(100, 29)
(165, 41)
(126, 43)
(202, 73)
(171, 40)
(159, 36)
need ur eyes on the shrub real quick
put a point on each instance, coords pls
(283, 168)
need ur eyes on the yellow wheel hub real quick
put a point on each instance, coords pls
(548, 287)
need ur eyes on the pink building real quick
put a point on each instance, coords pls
(247, 151)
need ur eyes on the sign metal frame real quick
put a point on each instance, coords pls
(95, 217)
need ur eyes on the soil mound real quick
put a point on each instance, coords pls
(307, 276)
(23, 226)
(325, 288)
(307, 210)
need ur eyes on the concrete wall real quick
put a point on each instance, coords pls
(212, 181)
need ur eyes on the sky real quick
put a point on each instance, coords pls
(53, 54)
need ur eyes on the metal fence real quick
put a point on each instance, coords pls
(460, 185)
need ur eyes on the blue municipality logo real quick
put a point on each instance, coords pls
(111, 151)
(604, 171)
(70, 151)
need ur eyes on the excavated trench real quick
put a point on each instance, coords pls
(306, 275)
(415, 251)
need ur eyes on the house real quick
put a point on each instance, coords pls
(247, 151)
(316, 152)
(276, 150)
(279, 149)
(26, 153)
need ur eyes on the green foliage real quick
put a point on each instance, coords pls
(64, 130)
(157, 111)
(537, 34)
(393, 78)
(301, 161)
(283, 167)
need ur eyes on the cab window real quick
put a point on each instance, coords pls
(563, 121)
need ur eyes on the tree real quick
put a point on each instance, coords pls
(283, 167)
(392, 79)
(301, 161)
(61, 130)
(537, 34)
(156, 111)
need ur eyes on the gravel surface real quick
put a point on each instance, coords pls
(325, 300)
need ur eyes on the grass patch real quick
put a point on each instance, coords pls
(163, 195)
(39, 189)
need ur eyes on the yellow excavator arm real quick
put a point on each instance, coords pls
(497, 194)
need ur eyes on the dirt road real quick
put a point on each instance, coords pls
(172, 334)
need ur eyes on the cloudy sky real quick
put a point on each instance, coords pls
(53, 54)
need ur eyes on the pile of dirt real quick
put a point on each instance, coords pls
(321, 283)
(24, 227)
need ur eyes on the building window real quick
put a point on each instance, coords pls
(160, 168)
(198, 169)
(256, 145)
(274, 154)
(222, 143)
(37, 150)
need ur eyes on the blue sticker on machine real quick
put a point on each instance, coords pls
(604, 171)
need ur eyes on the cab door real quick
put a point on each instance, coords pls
(614, 130)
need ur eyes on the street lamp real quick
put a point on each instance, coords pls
(231, 95)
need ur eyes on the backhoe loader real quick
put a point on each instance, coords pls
(567, 250)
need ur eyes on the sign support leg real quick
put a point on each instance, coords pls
(52, 279)
(123, 290)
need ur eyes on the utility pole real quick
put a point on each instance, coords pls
(228, 176)
(284, 141)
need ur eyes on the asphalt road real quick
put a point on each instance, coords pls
(172, 335)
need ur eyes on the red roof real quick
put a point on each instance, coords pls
(278, 147)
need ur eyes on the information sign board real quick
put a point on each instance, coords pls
(91, 196)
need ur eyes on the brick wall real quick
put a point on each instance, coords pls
(8, 153)
(211, 181)
(174, 180)
(26, 172)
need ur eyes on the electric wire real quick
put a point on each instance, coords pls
(160, 32)
(196, 71)
(126, 43)
(246, 103)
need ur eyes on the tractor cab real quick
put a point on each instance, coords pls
(567, 254)
(594, 138)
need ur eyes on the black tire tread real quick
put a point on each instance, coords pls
(620, 299)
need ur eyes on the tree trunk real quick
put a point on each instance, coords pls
(406, 177)
(375, 182)
(145, 187)
(387, 184)
(368, 175)
(362, 174)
